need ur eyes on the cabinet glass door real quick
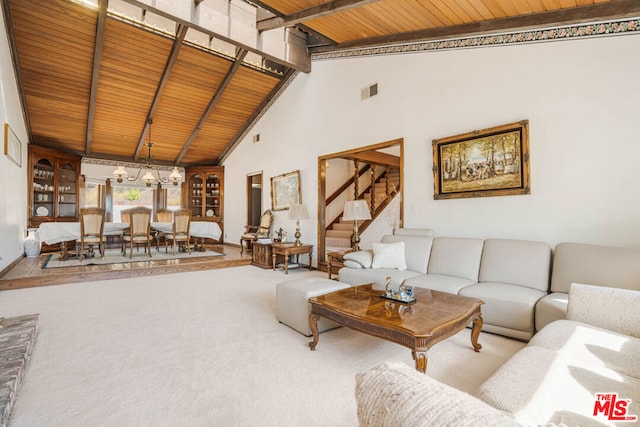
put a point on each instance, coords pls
(212, 195)
(195, 196)
(67, 192)
(43, 188)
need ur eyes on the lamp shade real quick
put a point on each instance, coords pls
(355, 210)
(298, 211)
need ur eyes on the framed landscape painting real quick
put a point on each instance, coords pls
(285, 190)
(488, 162)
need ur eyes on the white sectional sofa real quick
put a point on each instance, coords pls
(553, 381)
(510, 276)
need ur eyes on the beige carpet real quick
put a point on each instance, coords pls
(203, 349)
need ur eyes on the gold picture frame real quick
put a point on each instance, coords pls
(482, 163)
(12, 145)
(285, 190)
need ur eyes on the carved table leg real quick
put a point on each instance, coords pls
(421, 360)
(313, 324)
(64, 255)
(475, 332)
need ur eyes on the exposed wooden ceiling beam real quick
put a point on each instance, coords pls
(8, 24)
(375, 157)
(166, 73)
(615, 9)
(290, 74)
(212, 103)
(95, 73)
(313, 12)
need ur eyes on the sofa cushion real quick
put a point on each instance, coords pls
(416, 250)
(595, 265)
(509, 306)
(517, 262)
(551, 308)
(439, 282)
(456, 256)
(540, 386)
(364, 258)
(599, 346)
(377, 276)
(389, 255)
(393, 394)
(609, 308)
(352, 264)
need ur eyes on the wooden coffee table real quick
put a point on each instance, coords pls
(434, 317)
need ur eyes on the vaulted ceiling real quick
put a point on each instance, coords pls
(100, 78)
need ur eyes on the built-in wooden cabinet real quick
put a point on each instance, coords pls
(203, 193)
(54, 179)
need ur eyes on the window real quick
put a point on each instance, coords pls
(92, 195)
(129, 197)
(173, 198)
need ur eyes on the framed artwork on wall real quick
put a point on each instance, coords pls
(481, 163)
(12, 145)
(285, 190)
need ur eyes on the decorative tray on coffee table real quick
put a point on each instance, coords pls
(398, 298)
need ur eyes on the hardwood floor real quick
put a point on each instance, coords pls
(28, 272)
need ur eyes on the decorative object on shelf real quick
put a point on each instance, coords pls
(460, 169)
(285, 190)
(174, 177)
(298, 211)
(12, 145)
(31, 243)
(356, 210)
(42, 210)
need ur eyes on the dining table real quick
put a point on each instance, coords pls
(63, 232)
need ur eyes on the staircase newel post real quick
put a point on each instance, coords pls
(356, 179)
(373, 189)
(387, 182)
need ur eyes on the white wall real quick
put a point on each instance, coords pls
(580, 96)
(13, 179)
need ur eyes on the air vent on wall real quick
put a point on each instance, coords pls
(369, 91)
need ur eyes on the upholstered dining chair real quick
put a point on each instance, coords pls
(181, 231)
(91, 230)
(162, 215)
(139, 230)
(255, 232)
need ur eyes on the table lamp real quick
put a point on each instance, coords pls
(298, 211)
(356, 210)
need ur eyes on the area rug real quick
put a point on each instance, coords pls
(203, 349)
(114, 256)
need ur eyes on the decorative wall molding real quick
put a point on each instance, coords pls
(595, 29)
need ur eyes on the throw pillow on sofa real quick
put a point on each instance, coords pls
(389, 255)
(363, 258)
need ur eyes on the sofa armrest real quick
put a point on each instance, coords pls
(614, 309)
(393, 394)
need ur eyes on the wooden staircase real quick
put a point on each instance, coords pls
(386, 186)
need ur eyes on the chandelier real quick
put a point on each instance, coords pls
(121, 173)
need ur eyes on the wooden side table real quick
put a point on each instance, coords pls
(287, 250)
(335, 261)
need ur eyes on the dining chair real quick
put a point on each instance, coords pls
(181, 231)
(139, 230)
(91, 230)
(162, 215)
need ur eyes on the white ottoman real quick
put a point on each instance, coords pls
(292, 302)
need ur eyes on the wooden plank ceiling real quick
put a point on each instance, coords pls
(200, 101)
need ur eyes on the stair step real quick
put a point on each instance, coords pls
(343, 226)
(338, 243)
(341, 234)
